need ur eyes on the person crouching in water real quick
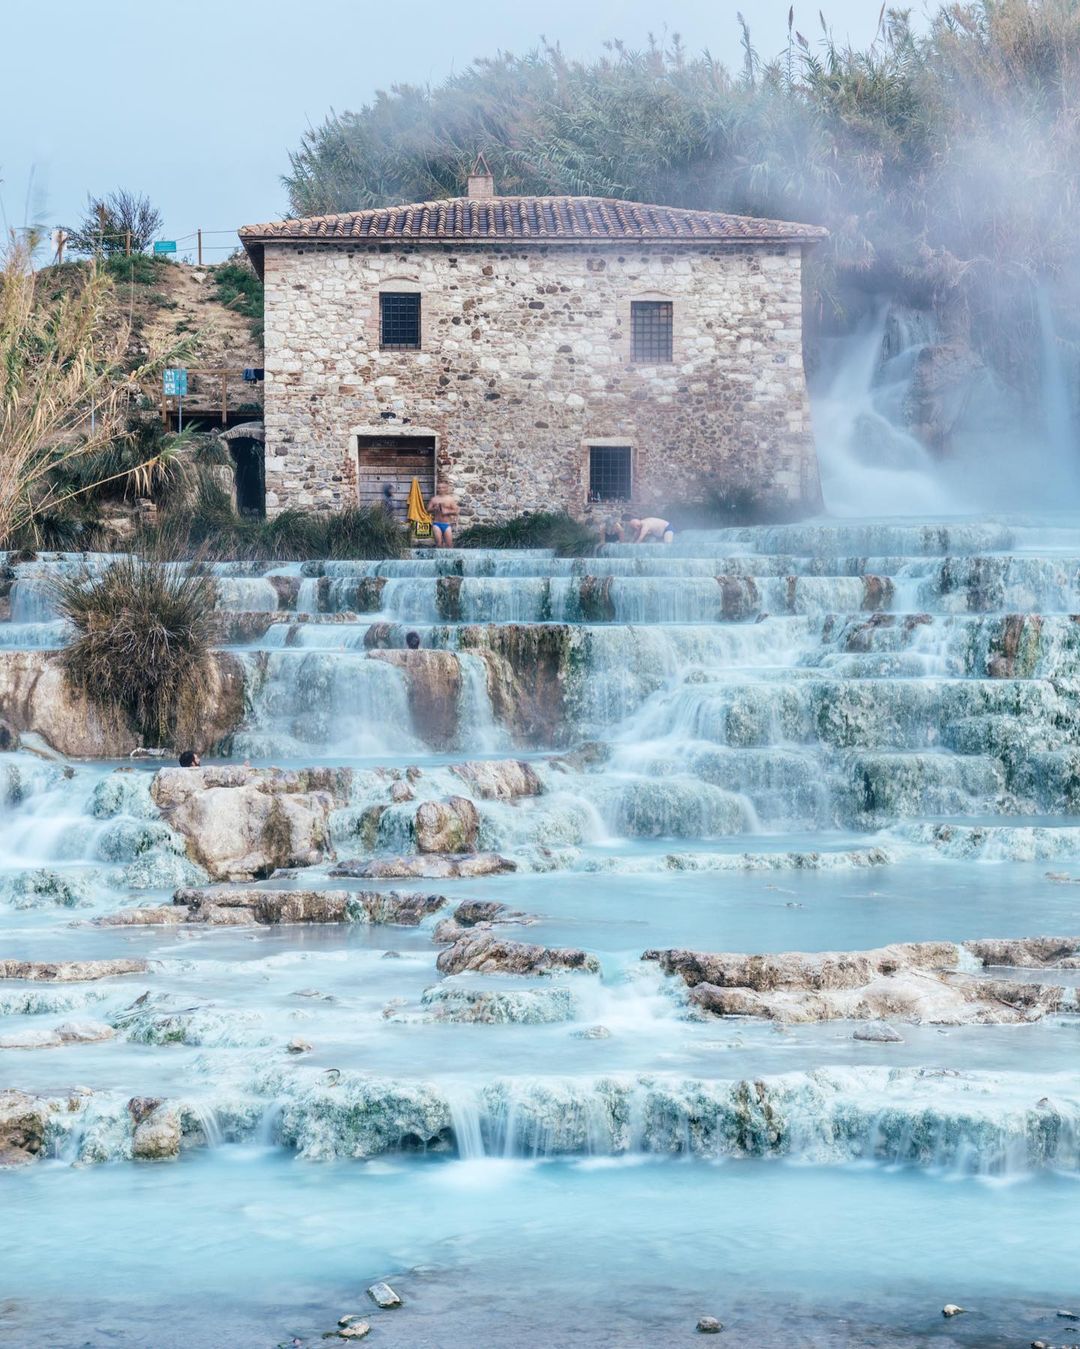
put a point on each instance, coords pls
(653, 527)
(443, 509)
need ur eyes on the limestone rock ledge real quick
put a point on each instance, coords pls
(938, 983)
(241, 824)
(36, 699)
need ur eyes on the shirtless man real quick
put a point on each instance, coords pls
(652, 527)
(443, 509)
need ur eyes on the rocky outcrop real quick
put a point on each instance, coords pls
(243, 823)
(36, 698)
(70, 971)
(915, 981)
(1014, 647)
(238, 907)
(428, 867)
(433, 687)
(484, 953)
(594, 599)
(499, 779)
(1028, 952)
(157, 1137)
(878, 592)
(450, 826)
(162, 915)
(474, 913)
(530, 668)
(739, 598)
(68, 1033)
(23, 1124)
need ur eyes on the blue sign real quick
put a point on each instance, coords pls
(165, 246)
(174, 382)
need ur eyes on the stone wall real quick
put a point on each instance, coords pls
(526, 358)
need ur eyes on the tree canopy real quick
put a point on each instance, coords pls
(943, 162)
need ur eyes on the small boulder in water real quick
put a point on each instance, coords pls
(352, 1327)
(951, 1309)
(484, 953)
(592, 1033)
(709, 1325)
(298, 1046)
(1068, 1315)
(878, 1032)
(157, 1138)
(139, 1107)
(383, 1295)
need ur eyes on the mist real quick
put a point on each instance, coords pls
(940, 317)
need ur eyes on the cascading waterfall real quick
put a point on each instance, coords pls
(818, 737)
(872, 460)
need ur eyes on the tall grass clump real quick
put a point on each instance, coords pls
(144, 635)
(534, 529)
(67, 385)
(210, 528)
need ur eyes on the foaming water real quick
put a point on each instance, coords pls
(871, 463)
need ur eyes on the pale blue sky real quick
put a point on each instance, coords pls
(197, 102)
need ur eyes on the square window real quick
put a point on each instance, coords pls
(399, 321)
(609, 472)
(651, 331)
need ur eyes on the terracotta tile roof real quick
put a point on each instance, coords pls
(524, 220)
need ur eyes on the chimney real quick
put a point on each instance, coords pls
(481, 180)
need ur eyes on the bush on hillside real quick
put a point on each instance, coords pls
(144, 633)
(239, 288)
(114, 222)
(144, 269)
(535, 529)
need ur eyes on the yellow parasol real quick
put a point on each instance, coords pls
(416, 514)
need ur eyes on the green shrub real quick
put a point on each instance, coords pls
(535, 529)
(141, 268)
(239, 288)
(211, 528)
(725, 503)
(145, 630)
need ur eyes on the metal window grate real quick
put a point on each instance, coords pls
(609, 472)
(399, 314)
(651, 330)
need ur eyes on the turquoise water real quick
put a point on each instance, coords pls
(808, 762)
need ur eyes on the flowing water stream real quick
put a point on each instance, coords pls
(826, 736)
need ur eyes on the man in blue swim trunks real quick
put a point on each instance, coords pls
(443, 509)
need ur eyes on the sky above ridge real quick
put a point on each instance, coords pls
(198, 103)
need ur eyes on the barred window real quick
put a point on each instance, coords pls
(609, 472)
(650, 330)
(399, 317)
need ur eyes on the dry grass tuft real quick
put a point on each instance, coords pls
(145, 632)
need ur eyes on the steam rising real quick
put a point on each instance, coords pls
(940, 322)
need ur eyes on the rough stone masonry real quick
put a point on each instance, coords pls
(525, 362)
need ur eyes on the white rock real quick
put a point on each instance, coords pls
(878, 1032)
(383, 1295)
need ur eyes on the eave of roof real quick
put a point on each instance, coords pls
(541, 221)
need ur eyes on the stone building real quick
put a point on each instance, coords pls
(536, 352)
